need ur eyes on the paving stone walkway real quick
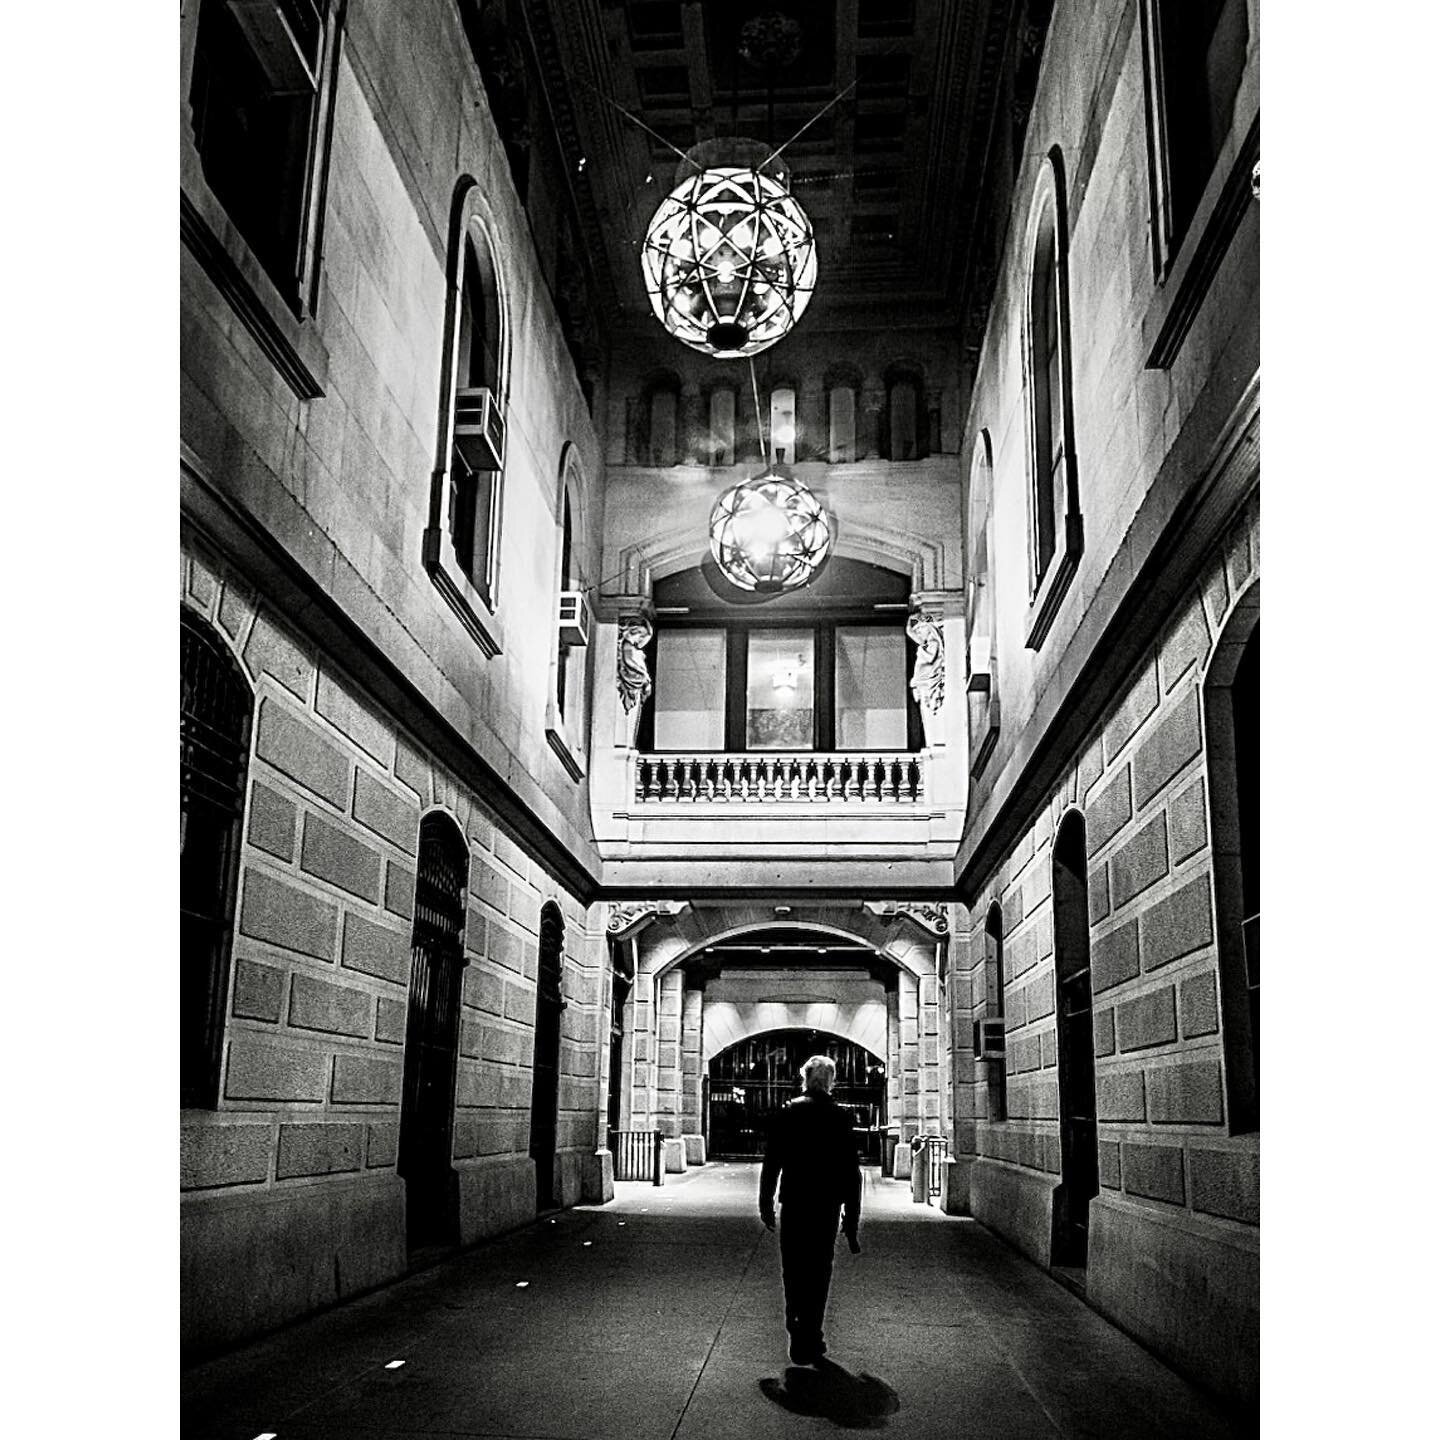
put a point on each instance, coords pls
(658, 1317)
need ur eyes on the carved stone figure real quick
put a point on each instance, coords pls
(927, 683)
(632, 674)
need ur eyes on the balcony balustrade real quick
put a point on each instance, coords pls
(807, 778)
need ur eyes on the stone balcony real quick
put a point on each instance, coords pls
(865, 778)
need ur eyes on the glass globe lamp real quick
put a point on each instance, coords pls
(729, 260)
(769, 533)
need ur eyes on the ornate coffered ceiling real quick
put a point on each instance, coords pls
(892, 175)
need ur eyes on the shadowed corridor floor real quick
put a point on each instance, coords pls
(658, 1317)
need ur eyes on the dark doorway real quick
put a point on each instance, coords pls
(432, 1032)
(1079, 1161)
(750, 1081)
(545, 1091)
(619, 994)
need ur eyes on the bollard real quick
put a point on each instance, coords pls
(920, 1174)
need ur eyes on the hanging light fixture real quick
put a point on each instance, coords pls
(729, 257)
(769, 533)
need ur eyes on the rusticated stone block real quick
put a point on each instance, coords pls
(1226, 1182)
(378, 950)
(530, 961)
(399, 889)
(519, 1004)
(317, 1004)
(259, 990)
(1154, 1171)
(272, 822)
(1144, 696)
(484, 990)
(271, 651)
(262, 1070)
(1188, 644)
(354, 720)
(1139, 862)
(202, 583)
(300, 751)
(390, 1022)
(381, 1145)
(1146, 1020)
(412, 770)
(509, 1047)
(318, 1150)
(1107, 810)
(215, 1155)
(511, 854)
(504, 949)
(1098, 890)
(282, 914)
(1011, 911)
(1178, 925)
(1114, 957)
(477, 1087)
(1120, 1096)
(330, 853)
(1104, 1032)
(1187, 822)
(1040, 998)
(1109, 1155)
(389, 813)
(1199, 1014)
(1047, 1049)
(361, 1080)
(1020, 954)
(237, 605)
(1186, 1094)
(1168, 749)
(477, 931)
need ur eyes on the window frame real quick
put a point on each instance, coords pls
(478, 609)
(280, 314)
(982, 690)
(737, 632)
(1050, 577)
(567, 705)
(208, 1052)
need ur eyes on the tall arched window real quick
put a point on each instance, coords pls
(1232, 749)
(658, 441)
(1054, 511)
(995, 1002)
(842, 423)
(462, 539)
(215, 708)
(982, 693)
(722, 425)
(782, 425)
(432, 1034)
(567, 719)
(905, 418)
(545, 1092)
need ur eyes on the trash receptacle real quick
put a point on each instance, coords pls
(919, 1171)
(888, 1140)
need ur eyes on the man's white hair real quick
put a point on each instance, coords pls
(818, 1072)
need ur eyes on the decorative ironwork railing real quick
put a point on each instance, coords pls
(781, 779)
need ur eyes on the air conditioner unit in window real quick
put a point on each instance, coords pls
(285, 38)
(574, 618)
(989, 1039)
(479, 428)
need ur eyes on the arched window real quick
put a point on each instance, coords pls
(782, 425)
(567, 727)
(660, 445)
(995, 1003)
(1232, 748)
(432, 1034)
(722, 425)
(905, 412)
(462, 540)
(545, 1091)
(982, 693)
(842, 423)
(215, 708)
(1054, 511)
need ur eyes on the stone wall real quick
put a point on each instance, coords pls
(290, 1196)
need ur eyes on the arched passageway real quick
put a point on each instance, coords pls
(748, 1082)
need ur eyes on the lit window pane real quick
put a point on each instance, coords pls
(780, 690)
(662, 427)
(782, 426)
(690, 690)
(722, 427)
(869, 688)
(842, 424)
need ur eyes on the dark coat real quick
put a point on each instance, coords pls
(811, 1152)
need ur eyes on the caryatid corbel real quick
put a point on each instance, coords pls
(632, 670)
(927, 682)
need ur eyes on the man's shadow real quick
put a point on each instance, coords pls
(831, 1392)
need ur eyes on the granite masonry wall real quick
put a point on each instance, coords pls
(289, 1193)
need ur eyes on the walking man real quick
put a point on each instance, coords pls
(811, 1152)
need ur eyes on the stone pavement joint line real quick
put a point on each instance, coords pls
(670, 1326)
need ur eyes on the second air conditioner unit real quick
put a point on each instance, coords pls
(989, 1039)
(479, 428)
(574, 618)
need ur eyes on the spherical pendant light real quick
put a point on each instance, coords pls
(769, 533)
(729, 260)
